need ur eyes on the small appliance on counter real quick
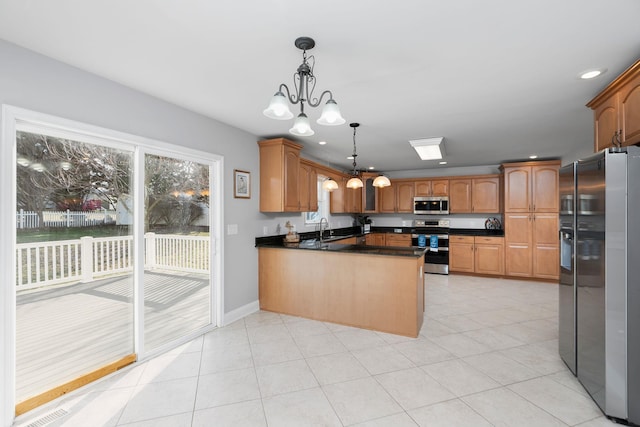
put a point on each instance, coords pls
(493, 224)
(291, 237)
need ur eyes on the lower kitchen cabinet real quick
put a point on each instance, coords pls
(532, 248)
(397, 239)
(489, 255)
(479, 254)
(461, 257)
(375, 239)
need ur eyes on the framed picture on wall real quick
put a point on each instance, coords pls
(241, 184)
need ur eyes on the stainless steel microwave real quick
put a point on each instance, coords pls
(431, 205)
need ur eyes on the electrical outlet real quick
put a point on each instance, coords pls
(265, 230)
(232, 229)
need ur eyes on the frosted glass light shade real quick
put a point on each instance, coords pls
(330, 114)
(301, 126)
(355, 183)
(329, 185)
(278, 108)
(381, 181)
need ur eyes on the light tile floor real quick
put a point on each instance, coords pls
(487, 355)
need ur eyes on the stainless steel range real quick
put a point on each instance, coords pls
(434, 235)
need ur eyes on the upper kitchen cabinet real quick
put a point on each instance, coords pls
(617, 111)
(279, 175)
(345, 200)
(404, 196)
(370, 194)
(308, 183)
(431, 187)
(388, 198)
(480, 194)
(397, 198)
(531, 186)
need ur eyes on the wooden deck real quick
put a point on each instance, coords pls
(64, 332)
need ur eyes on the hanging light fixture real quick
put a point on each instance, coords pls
(304, 82)
(381, 181)
(355, 181)
(329, 185)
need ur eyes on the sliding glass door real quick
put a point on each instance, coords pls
(113, 254)
(74, 263)
(177, 285)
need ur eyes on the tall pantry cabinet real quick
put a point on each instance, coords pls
(531, 219)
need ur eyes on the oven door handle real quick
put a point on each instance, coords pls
(440, 249)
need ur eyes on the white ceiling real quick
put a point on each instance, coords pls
(496, 78)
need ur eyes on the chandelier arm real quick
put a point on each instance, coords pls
(291, 98)
(317, 101)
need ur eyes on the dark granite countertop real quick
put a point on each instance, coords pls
(313, 245)
(343, 233)
(476, 232)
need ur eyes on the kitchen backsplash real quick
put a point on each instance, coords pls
(456, 221)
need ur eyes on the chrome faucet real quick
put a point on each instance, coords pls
(326, 222)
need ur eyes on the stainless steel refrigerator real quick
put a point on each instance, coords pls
(604, 263)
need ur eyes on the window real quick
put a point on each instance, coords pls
(323, 205)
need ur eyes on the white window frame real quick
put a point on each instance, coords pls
(313, 218)
(14, 118)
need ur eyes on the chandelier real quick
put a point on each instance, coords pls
(304, 82)
(355, 181)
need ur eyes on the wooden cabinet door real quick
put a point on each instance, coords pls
(544, 186)
(485, 194)
(404, 196)
(380, 239)
(518, 244)
(489, 255)
(630, 111)
(397, 239)
(304, 180)
(337, 198)
(460, 196)
(606, 123)
(440, 187)
(291, 174)
(388, 199)
(461, 254)
(422, 188)
(353, 200)
(313, 190)
(545, 246)
(517, 184)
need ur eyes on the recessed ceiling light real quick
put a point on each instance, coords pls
(322, 142)
(350, 158)
(592, 73)
(533, 156)
(428, 148)
(443, 163)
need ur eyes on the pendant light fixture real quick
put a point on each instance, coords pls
(329, 185)
(304, 82)
(355, 181)
(381, 181)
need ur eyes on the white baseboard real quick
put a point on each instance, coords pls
(240, 312)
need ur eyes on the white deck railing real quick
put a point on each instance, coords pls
(29, 219)
(83, 260)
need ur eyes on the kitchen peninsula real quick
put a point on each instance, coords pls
(371, 287)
